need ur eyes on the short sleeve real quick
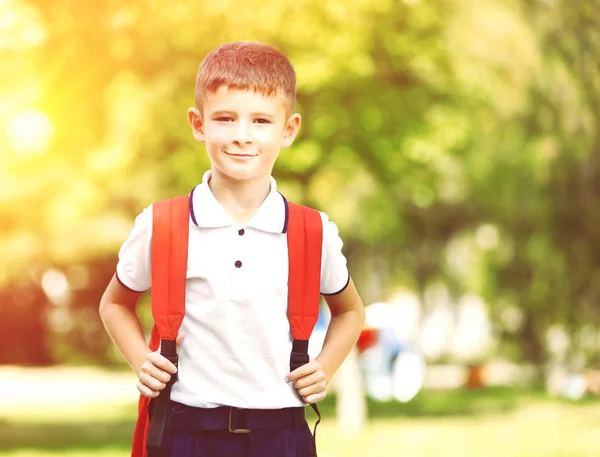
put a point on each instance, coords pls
(134, 266)
(334, 270)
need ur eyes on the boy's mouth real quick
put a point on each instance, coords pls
(241, 156)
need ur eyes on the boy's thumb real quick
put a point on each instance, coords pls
(179, 341)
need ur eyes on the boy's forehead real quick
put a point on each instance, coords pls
(233, 99)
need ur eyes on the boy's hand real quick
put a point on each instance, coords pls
(310, 381)
(156, 372)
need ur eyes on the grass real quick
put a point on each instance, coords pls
(491, 423)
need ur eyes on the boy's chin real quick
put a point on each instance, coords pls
(243, 174)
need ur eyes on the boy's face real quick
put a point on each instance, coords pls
(243, 131)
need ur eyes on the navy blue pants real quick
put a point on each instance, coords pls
(198, 432)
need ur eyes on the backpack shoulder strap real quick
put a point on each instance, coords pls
(170, 231)
(305, 243)
(305, 240)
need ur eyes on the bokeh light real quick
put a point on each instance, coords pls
(30, 132)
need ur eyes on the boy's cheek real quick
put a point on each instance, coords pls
(265, 135)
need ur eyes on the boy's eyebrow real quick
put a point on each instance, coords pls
(262, 114)
(222, 112)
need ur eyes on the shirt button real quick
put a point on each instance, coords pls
(241, 232)
(238, 264)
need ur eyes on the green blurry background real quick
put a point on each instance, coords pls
(455, 144)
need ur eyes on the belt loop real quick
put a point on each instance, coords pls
(298, 414)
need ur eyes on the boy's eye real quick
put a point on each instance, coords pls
(224, 119)
(261, 120)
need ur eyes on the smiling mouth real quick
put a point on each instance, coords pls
(241, 155)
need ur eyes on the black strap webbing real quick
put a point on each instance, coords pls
(159, 407)
(299, 357)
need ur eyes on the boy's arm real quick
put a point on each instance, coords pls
(347, 320)
(117, 311)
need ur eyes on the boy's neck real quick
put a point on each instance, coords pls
(240, 199)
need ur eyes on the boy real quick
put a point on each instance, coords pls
(234, 342)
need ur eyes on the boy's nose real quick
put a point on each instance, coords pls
(243, 134)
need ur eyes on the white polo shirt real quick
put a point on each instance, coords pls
(238, 338)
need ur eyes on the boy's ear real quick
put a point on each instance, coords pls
(197, 124)
(291, 130)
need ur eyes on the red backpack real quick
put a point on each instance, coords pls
(170, 230)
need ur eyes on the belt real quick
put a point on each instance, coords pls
(236, 420)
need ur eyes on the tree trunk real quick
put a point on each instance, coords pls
(351, 407)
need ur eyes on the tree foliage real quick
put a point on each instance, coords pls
(452, 142)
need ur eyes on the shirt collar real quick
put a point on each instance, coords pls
(206, 211)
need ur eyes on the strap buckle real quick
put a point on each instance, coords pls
(236, 430)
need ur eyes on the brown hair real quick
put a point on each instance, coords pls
(246, 65)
